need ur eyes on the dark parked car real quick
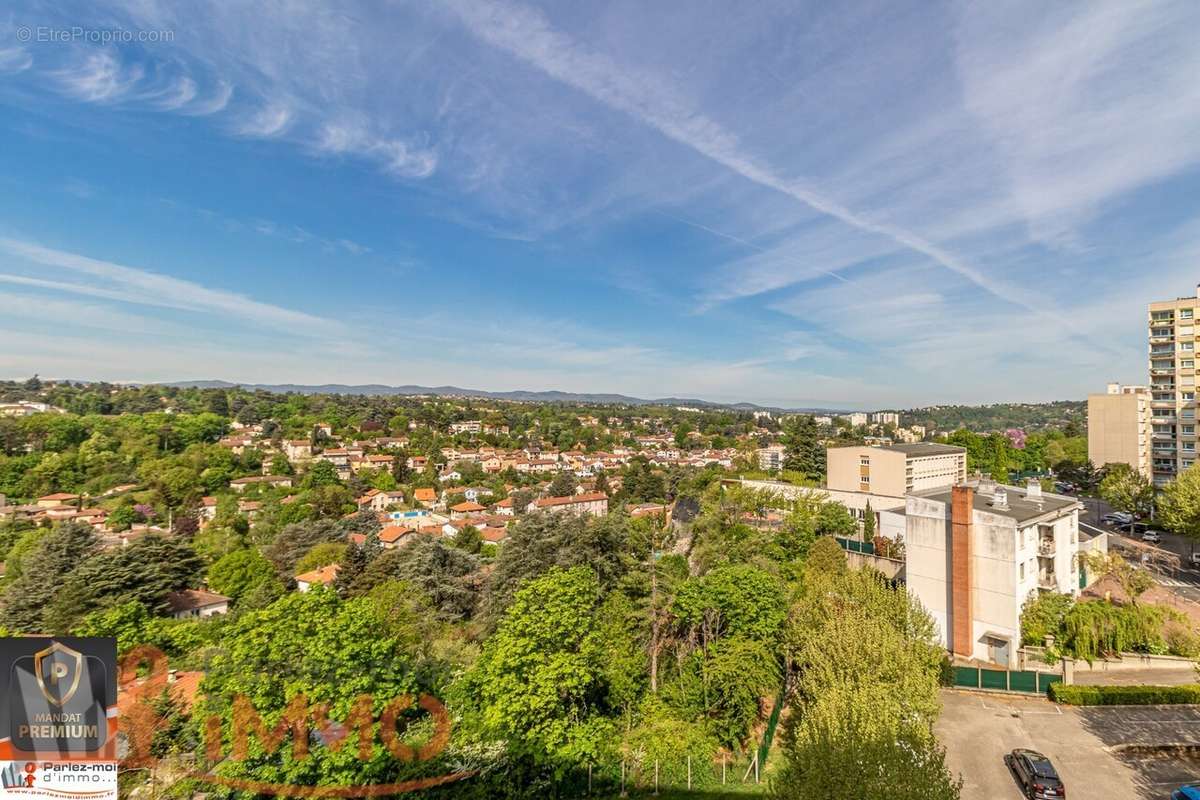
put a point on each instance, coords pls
(1036, 774)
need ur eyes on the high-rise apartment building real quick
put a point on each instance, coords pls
(1119, 427)
(1172, 326)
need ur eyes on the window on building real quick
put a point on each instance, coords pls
(1021, 573)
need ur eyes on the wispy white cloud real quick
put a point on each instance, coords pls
(15, 59)
(181, 92)
(100, 77)
(1082, 102)
(265, 122)
(526, 34)
(148, 288)
(216, 101)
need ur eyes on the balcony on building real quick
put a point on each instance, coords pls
(1046, 580)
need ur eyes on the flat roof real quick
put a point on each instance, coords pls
(1018, 506)
(918, 449)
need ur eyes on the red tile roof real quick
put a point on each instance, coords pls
(592, 497)
(324, 575)
(394, 533)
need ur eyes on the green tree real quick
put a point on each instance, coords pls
(238, 573)
(145, 571)
(469, 539)
(868, 662)
(563, 484)
(296, 539)
(449, 577)
(1127, 489)
(539, 682)
(826, 557)
(330, 651)
(43, 570)
(320, 555)
(540, 541)
(1179, 505)
(321, 473)
(868, 530)
(805, 451)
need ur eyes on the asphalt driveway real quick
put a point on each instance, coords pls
(1107, 752)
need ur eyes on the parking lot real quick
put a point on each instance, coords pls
(1108, 752)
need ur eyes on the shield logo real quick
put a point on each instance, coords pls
(58, 669)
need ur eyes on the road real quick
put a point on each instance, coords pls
(1185, 582)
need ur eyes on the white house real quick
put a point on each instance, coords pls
(196, 603)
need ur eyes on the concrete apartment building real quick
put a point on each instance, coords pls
(1173, 386)
(1119, 427)
(975, 552)
(895, 469)
(770, 458)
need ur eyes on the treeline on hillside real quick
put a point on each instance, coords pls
(997, 455)
(1070, 416)
(561, 425)
(584, 649)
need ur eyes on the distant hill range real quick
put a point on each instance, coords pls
(518, 396)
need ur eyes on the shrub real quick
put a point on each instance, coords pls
(1076, 695)
(1183, 642)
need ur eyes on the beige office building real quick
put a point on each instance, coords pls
(1119, 427)
(1172, 386)
(895, 469)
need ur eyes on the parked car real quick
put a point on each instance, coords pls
(1037, 775)
(1117, 518)
(1189, 791)
(1152, 536)
(1194, 560)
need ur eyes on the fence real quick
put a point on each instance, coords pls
(769, 734)
(1005, 680)
(855, 546)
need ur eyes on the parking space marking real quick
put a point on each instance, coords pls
(1053, 709)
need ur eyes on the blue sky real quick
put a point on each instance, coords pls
(855, 205)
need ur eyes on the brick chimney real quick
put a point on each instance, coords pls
(962, 506)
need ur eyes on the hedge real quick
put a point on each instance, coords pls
(1076, 695)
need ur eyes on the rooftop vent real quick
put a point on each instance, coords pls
(1033, 491)
(999, 498)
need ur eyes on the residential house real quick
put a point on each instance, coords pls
(190, 603)
(317, 577)
(465, 509)
(57, 499)
(426, 496)
(240, 484)
(298, 450)
(595, 504)
(392, 536)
